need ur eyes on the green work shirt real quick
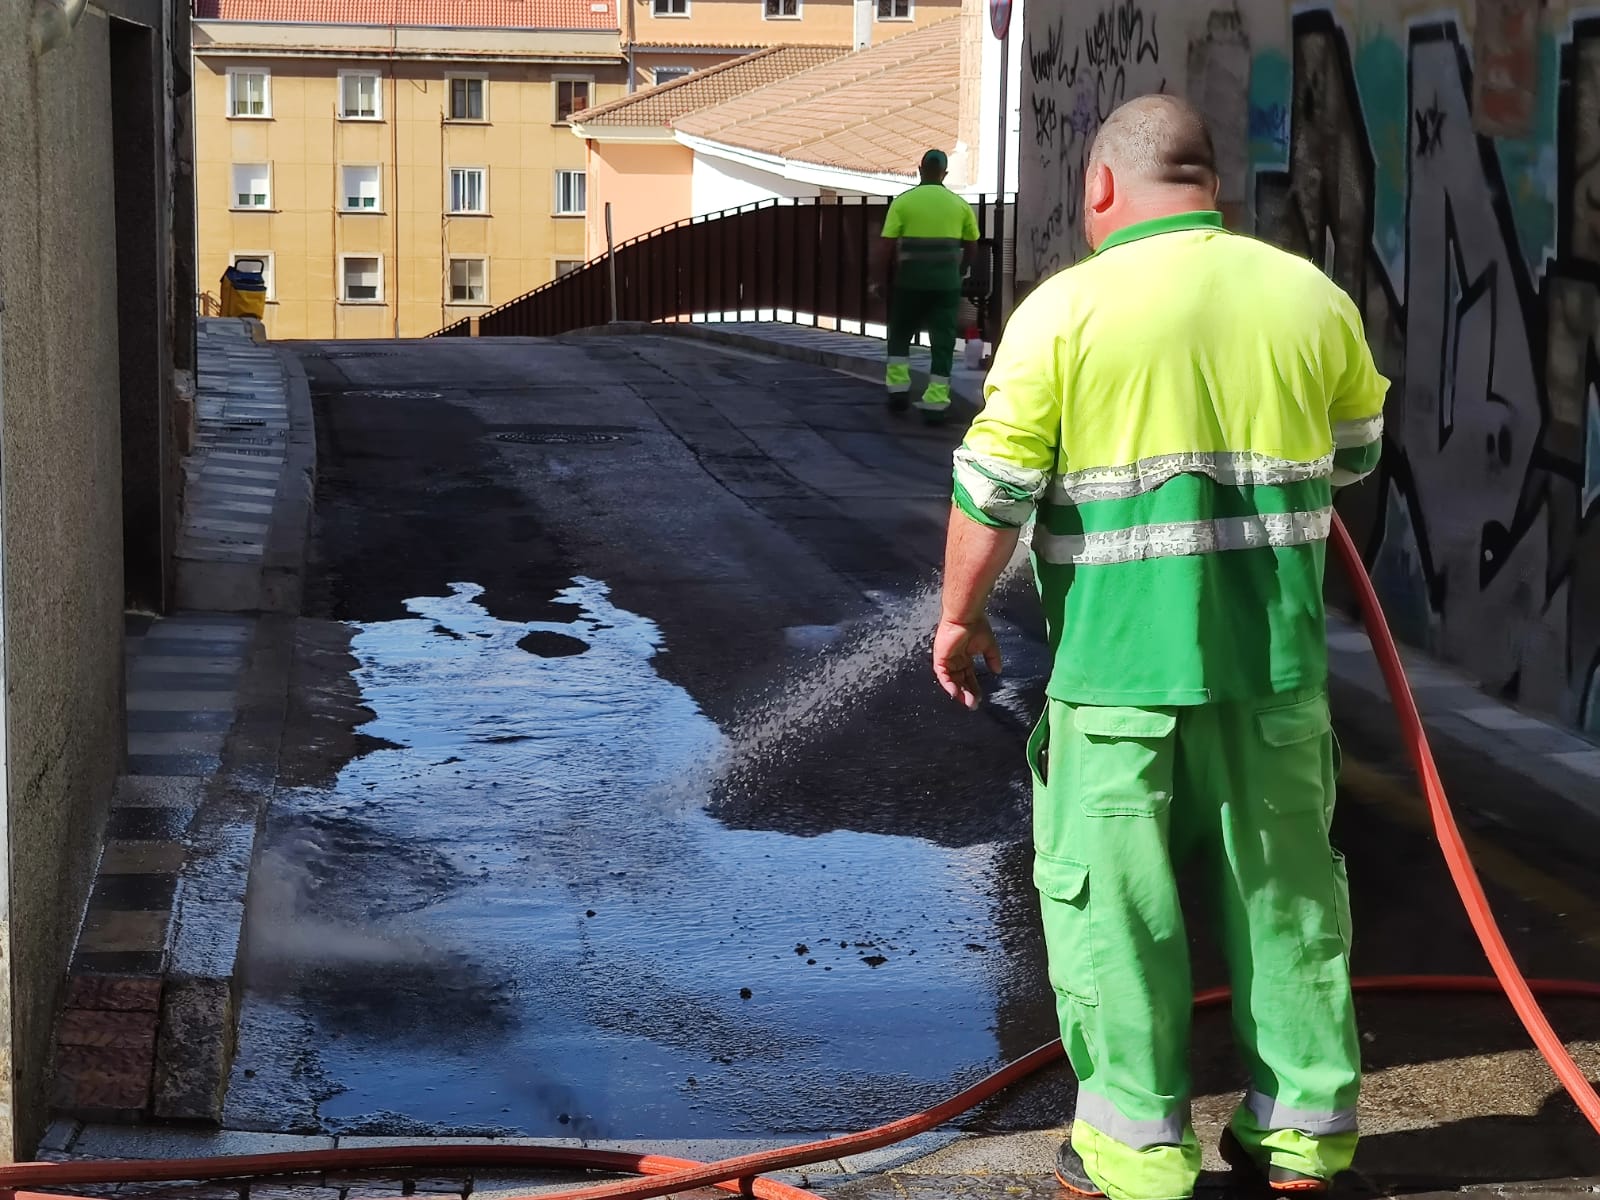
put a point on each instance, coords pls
(1173, 413)
(933, 226)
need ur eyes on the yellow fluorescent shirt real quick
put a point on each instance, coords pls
(1175, 412)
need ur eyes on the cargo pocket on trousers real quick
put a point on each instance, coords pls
(1298, 757)
(1039, 749)
(1064, 899)
(1124, 761)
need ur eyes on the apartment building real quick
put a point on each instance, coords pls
(395, 164)
(668, 39)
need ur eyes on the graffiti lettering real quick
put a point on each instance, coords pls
(1430, 129)
(1486, 550)
(1071, 92)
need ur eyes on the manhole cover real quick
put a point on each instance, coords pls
(559, 437)
(393, 394)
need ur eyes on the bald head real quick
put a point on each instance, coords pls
(1156, 141)
(1152, 157)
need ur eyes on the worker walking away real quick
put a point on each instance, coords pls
(929, 238)
(1174, 413)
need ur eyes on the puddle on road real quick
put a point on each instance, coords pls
(523, 919)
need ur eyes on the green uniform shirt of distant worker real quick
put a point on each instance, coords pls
(930, 233)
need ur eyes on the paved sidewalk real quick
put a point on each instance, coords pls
(147, 1026)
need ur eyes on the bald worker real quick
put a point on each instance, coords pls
(1174, 413)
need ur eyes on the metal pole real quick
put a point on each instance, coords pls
(611, 263)
(997, 309)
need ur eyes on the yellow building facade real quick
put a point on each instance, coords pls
(395, 180)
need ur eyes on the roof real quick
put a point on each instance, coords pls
(434, 14)
(664, 103)
(873, 111)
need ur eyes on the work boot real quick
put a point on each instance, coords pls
(899, 402)
(1277, 1179)
(1072, 1175)
(933, 414)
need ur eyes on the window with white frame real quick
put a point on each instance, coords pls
(361, 279)
(249, 92)
(469, 281)
(360, 96)
(572, 95)
(469, 192)
(894, 10)
(566, 266)
(668, 74)
(467, 95)
(669, 8)
(782, 9)
(572, 193)
(361, 189)
(252, 186)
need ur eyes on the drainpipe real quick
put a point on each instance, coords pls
(630, 33)
(53, 22)
(391, 286)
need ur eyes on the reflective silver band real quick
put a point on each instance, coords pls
(1343, 477)
(1349, 434)
(1179, 538)
(1231, 468)
(1100, 1113)
(1269, 1114)
(1002, 491)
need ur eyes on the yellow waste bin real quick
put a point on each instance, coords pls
(244, 289)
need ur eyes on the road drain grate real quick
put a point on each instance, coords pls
(559, 437)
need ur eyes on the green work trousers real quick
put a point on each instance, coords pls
(1122, 798)
(917, 310)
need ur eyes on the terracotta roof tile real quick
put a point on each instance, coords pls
(874, 110)
(436, 14)
(664, 103)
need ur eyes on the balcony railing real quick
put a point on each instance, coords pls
(808, 261)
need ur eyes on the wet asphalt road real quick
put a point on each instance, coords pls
(553, 583)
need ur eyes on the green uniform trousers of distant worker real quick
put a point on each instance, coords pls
(1244, 791)
(913, 311)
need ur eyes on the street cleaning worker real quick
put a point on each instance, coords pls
(929, 235)
(1174, 413)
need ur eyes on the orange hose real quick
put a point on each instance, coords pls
(661, 1176)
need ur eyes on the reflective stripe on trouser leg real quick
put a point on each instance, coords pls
(1268, 768)
(937, 394)
(897, 375)
(1102, 825)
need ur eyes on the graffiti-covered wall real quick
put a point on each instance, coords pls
(1443, 164)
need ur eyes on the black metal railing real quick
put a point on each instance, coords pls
(808, 261)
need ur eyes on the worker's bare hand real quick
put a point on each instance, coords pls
(955, 646)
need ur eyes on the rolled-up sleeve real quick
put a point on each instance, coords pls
(1004, 464)
(1356, 410)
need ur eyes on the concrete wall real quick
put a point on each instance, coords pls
(63, 383)
(63, 515)
(647, 184)
(720, 184)
(1441, 163)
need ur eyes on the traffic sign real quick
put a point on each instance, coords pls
(1000, 17)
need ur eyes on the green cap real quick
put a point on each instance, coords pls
(935, 160)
